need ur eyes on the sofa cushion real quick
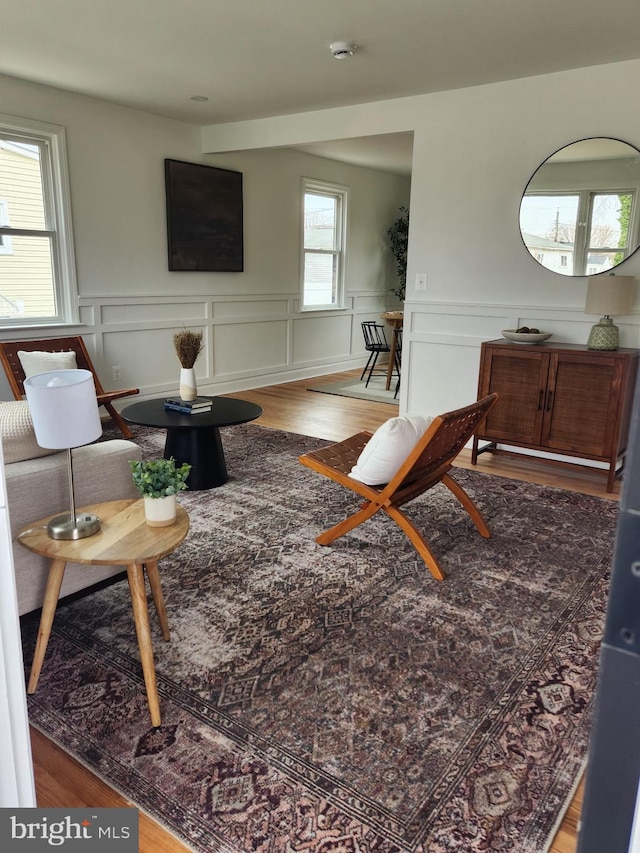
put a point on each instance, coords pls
(387, 449)
(41, 362)
(18, 437)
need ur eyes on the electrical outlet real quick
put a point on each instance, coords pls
(421, 281)
(116, 371)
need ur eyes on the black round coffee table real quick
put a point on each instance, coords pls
(195, 438)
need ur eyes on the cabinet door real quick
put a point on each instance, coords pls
(581, 408)
(520, 378)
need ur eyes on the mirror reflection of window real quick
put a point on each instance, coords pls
(579, 213)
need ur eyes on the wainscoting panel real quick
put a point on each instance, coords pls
(321, 338)
(147, 359)
(240, 348)
(183, 313)
(245, 310)
(439, 377)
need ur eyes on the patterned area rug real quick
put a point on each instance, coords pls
(340, 700)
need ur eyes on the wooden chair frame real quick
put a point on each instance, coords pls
(16, 376)
(428, 464)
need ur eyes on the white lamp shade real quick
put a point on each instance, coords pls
(64, 408)
(609, 294)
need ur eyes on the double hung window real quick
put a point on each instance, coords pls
(37, 270)
(580, 233)
(323, 245)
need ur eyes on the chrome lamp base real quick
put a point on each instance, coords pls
(66, 527)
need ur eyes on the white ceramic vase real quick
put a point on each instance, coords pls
(188, 389)
(160, 512)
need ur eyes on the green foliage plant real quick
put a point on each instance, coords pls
(159, 478)
(398, 235)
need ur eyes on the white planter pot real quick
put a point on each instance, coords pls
(160, 512)
(188, 388)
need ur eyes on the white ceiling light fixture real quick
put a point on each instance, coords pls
(342, 49)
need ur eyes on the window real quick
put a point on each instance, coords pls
(6, 246)
(323, 249)
(37, 271)
(595, 226)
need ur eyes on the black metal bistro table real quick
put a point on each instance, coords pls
(195, 438)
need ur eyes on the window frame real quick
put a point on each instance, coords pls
(6, 245)
(340, 193)
(582, 249)
(51, 140)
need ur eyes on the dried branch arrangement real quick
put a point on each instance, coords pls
(188, 346)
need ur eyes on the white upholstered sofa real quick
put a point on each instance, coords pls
(37, 485)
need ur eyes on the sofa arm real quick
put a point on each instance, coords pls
(39, 487)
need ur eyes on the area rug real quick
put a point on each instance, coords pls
(354, 388)
(339, 699)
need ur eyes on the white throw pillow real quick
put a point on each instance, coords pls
(18, 438)
(387, 449)
(42, 362)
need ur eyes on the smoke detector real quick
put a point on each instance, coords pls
(342, 49)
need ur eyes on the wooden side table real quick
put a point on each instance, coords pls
(124, 539)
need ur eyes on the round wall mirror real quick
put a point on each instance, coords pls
(579, 212)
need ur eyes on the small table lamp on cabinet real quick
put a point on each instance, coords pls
(64, 411)
(607, 295)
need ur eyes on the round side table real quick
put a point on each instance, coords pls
(124, 539)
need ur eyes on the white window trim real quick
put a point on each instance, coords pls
(314, 185)
(57, 194)
(6, 246)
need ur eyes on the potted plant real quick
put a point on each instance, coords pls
(399, 238)
(158, 481)
(188, 346)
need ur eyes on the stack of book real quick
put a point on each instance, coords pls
(188, 407)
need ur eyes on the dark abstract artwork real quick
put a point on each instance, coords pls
(204, 218)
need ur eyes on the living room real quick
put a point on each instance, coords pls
(475, 148)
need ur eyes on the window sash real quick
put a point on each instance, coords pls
(322, 274)
(49, 287)
(585, 226)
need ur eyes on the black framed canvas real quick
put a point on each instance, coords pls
(204, 218)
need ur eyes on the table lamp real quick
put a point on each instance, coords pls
(64, 411)
(606, 295)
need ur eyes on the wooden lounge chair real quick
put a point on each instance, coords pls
(425, 466)
(16, 376)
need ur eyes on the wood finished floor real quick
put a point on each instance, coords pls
(62, 781)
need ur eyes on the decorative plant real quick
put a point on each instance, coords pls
(399, 239)
(188, 346)
(159, 478)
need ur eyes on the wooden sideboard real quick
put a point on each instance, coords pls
(558, 398)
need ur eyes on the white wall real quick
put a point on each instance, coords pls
(130, 304)
(474, 151)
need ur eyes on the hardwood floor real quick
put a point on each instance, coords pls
(62, 781)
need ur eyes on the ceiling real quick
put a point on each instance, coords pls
(257, 58)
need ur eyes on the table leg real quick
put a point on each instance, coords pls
(52, 592)
(135, 576)
(202, 448)
(392, 357)
(158, 597)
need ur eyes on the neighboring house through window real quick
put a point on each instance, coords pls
(323, 245)
(37, 268)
